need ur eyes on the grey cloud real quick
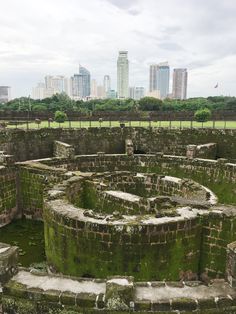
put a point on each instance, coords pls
(170, 46)
(134, 12)
(123, 4)
(172, 30)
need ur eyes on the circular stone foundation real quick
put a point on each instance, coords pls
(142, 225)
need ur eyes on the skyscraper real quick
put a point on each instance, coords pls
(139, 93)
(163, 79)
(123, 75)
(136, 92)
(5, 94)
(81, 83)
(159, 78)
(153, 77)
(131, 92)
(106, 84)
(180, 78)
(93, 88)
(56, 85)
(38, 92)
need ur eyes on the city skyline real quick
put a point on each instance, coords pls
(82, 86)
(202, 41)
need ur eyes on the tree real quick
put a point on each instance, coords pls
(202, 115)
(150, 104)
(60, 116)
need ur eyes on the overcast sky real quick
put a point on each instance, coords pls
(53, 36)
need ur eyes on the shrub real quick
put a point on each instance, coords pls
(60, 116)
(202, 115)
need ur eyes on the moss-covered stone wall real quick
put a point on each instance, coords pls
(217, 175)
(8, 194)
(98, 249)
(219, 229)
(34, 179)
(34, 144)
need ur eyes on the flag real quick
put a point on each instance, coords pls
(216, 86)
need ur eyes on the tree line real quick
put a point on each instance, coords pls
(61, 102)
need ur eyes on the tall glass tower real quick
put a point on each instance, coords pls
(81, 83)
(163, 79)
(123, 75)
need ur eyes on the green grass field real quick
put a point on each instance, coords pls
(165, 124)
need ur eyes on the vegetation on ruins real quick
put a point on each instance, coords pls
(61, 102)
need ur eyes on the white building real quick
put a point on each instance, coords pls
(123, 75)
(180, 80)
(107, 84)
(131, 92)
(101, 92)
(38, 92)
(153, 77)
(93, 88)
(139, 93)
(136, 92)
(5, 94)
(53, 85)
(155, 94)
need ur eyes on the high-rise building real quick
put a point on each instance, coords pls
(136, 92)
(81, 83)
(5, 94)
(180, 79)
(53, 85)
(57, 85)
(38, 92)
(93, 88)
(123, 75)
(154, 94)
(139, 93)
(153, 77)
(112, 94)
(163, 79)
(100, 92)
(131, 92)
(68, 86)
(159, 79)
(106, 84)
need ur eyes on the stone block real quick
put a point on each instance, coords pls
(8, 262)
(184, 304)
(119, 293)
(231, 264)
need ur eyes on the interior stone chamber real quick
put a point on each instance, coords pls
(124, 223)
(137, 226)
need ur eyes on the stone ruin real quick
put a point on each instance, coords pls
(124, 232)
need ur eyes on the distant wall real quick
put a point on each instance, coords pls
(35, 144)
(229, 115)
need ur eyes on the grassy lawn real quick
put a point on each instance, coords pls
(165, 124)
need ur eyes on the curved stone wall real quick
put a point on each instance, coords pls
(146, 248)
(126, 236)
(135, 193)
(217, 175)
